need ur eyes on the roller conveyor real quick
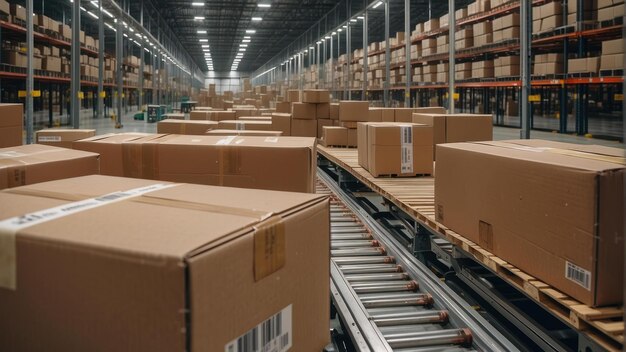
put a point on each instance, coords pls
(371, 288)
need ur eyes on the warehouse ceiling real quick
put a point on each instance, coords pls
(226, 22)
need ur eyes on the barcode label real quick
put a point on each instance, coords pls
(406, 149)
(578, 275)
(272, 335)
(49, 138)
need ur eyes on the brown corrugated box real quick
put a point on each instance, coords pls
(613, 47)
(282, 122)
(400, 149)
(243, 133)
(587, 64)
(334, 136)
(62, 137)
(182, 267)
(315, 96)
(320, 124)
(303, 128)
(353, 110)
(199, 115)
(109, 146)
(283, 107)
(33, 163)
(612, 62)
(303, 111)
(245, 125)
(333, 112)
(554, 210)
(185, 126)
(293, 96)
(11, 124)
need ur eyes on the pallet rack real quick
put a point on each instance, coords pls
(564, 111)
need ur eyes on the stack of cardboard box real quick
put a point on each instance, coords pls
(548, 64)
(547, 16)
(612, 55)
(609, 10)
(507, 66)
(482, 69)
(478, 6)
(463, 70)
(483, 33)
(11, 124)
(442, 72)
(583, 65)
(442, 44)
(588, 12)
(464, 38)
(506, 27)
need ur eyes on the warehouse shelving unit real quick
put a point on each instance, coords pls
(557, 109)
(173, 75)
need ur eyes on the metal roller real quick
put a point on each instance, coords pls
(461, 337)
(347, 237)
(376, 277)
(354, 229)
(353, 244)
(370, 268)
(410, 318)
(414, 299)
(364, 260)
(385, 286)
(450, 348)
(357, 252)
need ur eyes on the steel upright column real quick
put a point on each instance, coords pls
(332, 65)
(452, 60)
(141, 62)
(365, 52)
(100, 61)
(349, 48)
(338, 50)
(30, 84)
(407, 53)
(525, 33)
(75, 79)
(118, 55)
(387, 56)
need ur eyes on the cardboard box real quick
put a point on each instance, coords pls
(457, 127)
(397, 148)
(51, 63)
(610, 13)
(171, 126)
(583, 65)
(33, 163)
(315, 96)
(612, 62)
(333, 111)
(18, 12)
(293, 96)
(248, 133)
(334, 136)
(163, 263)
(5, 8)
(245, 125)
(352, 138)
(322, 110)
(63, 138)
(613, 47)
(283, 107)
(282, 122)
(303, 128)
(11, 125)
(222, 115)
(320, 125)
(199, 115)
(65, 31)
(482, 28)
(353, 110)
(559, 220)
(303, 111)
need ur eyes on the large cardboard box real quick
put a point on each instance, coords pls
(406, 114)
(222, 115)
(334, 136)
(303, 111)
(613, 47)
(293, 96)
(199, 115)
(152, 253)
(281, 122)
(322, 111)
(172, 126)
(303, 128)
(315, 96)
(283, 107)
(109, 146)
(32, 163)
(612, 62)
(552, 209)
(399, 149)
(320, 125)
(62, 137)
(245, 125)
(353, 110)
(333, 111)
(11, 124)
(244, 133)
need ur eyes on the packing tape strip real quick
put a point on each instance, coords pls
(9, 228)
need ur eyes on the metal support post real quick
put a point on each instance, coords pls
(75, 80)
(452, 50)
(30, 84)
(349, 48)
(120, 89)
(407, 52)
(525, 52)
(141, 63)
(332, 65)
(100, 98)
(338, 49)
(365, 52)
(387, 99)
(323, 65)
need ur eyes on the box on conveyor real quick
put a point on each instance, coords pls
(554, 210)
(334, 136)
(33, 163)
(245, 125)
(193, 127)
(62, 137)
(395, 149)
(218, 132)
(188, 267)
(457, 127)
(11, 124)
(109, 146)
(274, 163)
(353, 110)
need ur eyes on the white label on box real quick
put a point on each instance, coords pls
(271, 140)
(272, 335)
(49, 139)
(12, 154)
(579, 275)
(406, 148)
(11, 226)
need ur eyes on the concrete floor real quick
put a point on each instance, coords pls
(103, 126)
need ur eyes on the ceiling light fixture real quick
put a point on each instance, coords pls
(204, 40)
(246, 41)
(198, 18)
(197, 4)
(265, 5)
(250, 31)
(257, 19)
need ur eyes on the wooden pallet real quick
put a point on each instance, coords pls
(416, 197)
